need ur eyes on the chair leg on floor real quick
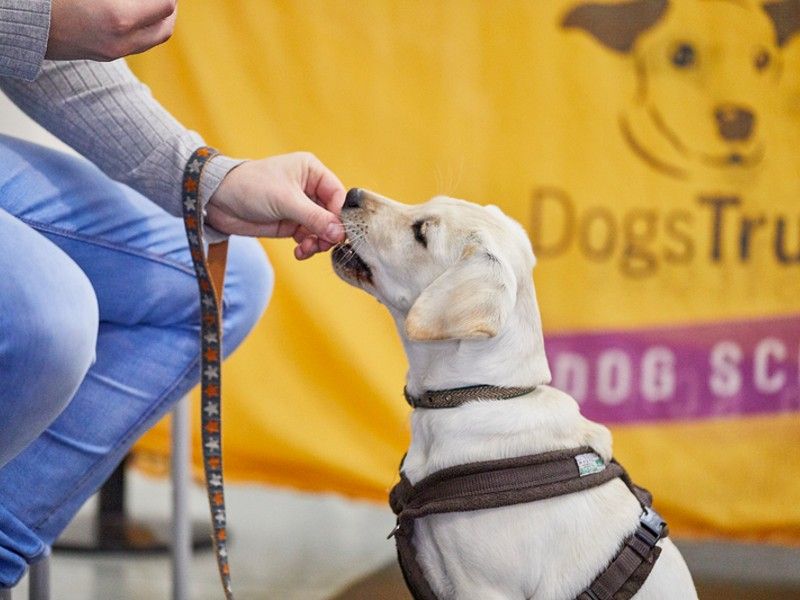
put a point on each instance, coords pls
(181, 524)
(39, 580)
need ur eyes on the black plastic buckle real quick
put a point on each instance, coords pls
(394, 531)
(651, 527)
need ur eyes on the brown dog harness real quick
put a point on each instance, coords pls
(505, 482)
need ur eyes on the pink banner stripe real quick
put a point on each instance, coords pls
(680, 373)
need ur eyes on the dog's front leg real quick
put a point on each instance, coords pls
(479, 555)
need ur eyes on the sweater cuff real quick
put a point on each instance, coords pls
(214, 172)
(24, 29)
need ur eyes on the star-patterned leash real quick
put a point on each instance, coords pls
(210, 270)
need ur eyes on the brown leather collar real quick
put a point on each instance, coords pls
(458, 396)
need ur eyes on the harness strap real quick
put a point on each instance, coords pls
(210, 271)
(496, 483)
(632, 564)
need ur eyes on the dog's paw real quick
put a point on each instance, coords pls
(598, 438)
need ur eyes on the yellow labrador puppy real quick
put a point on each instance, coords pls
(456, 277)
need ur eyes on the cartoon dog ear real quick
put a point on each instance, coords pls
(616, 26)
(785, 17)
(471, 300)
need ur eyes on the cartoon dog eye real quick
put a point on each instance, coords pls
(684, 55)
(762, 60)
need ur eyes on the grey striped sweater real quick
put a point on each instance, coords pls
(100, 109)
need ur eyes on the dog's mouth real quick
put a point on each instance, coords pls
(348, 263)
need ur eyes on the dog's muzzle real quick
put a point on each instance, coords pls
(351, 264)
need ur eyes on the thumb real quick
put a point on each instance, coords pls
(316, 219)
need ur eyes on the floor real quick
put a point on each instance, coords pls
(287, 545)
(387, 584)
(284, 545)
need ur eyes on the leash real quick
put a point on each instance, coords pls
(210, 271)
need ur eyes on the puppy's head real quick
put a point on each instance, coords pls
(449, 268)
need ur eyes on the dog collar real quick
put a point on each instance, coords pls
(458, 396)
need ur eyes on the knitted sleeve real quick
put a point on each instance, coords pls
(105, 113)
(24, 25)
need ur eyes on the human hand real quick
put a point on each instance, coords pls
(108, 29)
(291, 195)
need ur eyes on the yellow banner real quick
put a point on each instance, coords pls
(650, 148)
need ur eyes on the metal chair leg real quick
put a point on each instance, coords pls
(181, 524)
(39, 580)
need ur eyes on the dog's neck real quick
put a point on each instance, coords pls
(514, 357)
(543, 420)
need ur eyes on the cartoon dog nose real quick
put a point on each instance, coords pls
(734, 122)
(353, 198)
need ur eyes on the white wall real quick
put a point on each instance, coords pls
(16, 123)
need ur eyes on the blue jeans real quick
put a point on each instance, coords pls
(98, 334)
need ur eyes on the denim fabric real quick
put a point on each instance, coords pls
(98, 334)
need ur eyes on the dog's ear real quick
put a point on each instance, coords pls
(616, 26)
(471, 300)
(785, 17)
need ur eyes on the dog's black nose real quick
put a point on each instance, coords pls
(735, 123)
(353, 198)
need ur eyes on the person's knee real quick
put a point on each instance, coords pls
(77, 340)
(248, 287)
(55, 321)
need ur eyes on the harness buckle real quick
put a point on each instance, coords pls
(394, 531)
(651, 527)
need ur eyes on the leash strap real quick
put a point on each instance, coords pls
(210, 270)
(458, 396)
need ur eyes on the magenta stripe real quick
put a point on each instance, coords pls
(678, 373)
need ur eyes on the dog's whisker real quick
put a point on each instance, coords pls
(459, 175)
(359, 243)
(356, 239)
(449, 178)
(349, 250)
(439, 180)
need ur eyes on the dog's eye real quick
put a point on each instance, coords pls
(762, 61)
(419, 228)
(684, 56)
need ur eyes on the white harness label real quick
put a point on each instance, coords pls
(589, 463)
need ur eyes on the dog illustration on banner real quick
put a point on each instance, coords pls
(705, 71)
